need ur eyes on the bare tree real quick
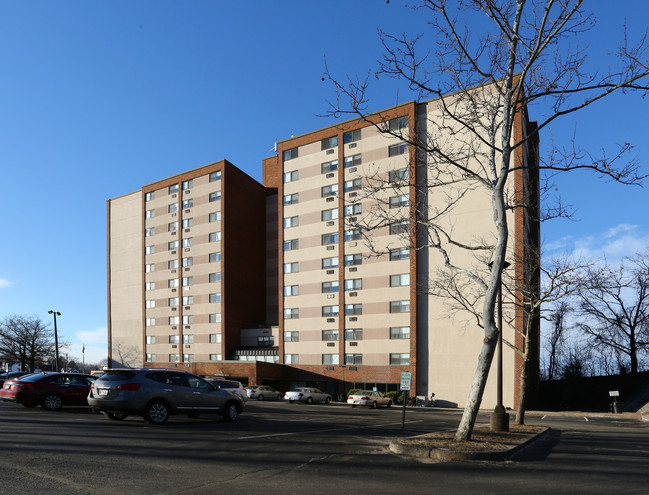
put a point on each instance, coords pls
(615, 311)
(127, 355)
(556, 337)
(487, 62)
(27, 339)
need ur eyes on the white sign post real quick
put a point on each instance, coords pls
(406, 382)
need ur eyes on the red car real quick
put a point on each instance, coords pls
(50, 390)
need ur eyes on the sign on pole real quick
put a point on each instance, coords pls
(406, 380)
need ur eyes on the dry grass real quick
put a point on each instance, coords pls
(482, 439)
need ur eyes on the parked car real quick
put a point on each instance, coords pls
(263, 392)
(155, 394)
(12, 375)
(231, 386)
(370, 398)
(308, 395)
(51, 390)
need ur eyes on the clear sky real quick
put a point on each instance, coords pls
(100, 98)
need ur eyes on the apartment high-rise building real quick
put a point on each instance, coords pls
(323, 277)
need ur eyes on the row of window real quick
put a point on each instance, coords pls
(214, 338)
(187, 184)
(351, 309)
(186, 223)
(399, 359)
(394, 176)
(173, 283)
(400, 280)
(187, 320)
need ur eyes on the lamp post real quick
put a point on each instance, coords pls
(499, 420)
(56, 338)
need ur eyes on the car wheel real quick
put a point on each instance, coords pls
(52, 402)
(327, 400)
(261, 397)
(230, 411)
(156, 413)
(389, 403)
(374, 405)
(291, 401)
(116, 416)
(309, 400)
(279, 396)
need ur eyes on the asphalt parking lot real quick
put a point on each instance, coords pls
(298, 448)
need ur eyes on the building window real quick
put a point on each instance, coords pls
(187, 281)
(174, 320)
(215, 277)
(188, 203)
(188, 358)
(150, 358)
(173, 301)
(149, 196)
(188, 184)
(172, 226)
(330, 262)
(149, 214)
(398, 228)
(172, 208)
(291, 290)
(291, 222)
(400, 306)
(330, 310)
(188, 339)
(399, 175)
(149, 303)
(265, 341)
(215, 318)
(398, 123)
(215, 196)
(330, 359)
(150, 267)
(214, 236)
(215, 297)
(354, 284)
(353, 334)
(399, 332)
(214, 257)
(174, 358)
(188, 319)
(352, 185)
(188, 242)
(291, 313)
(397, 201)
(172, 283)
(291, 336)
(327, 167)
(331, 190)
(330, 286)
(188, 261)
(172, 245)
(399, 254)
(397, 149)
(149, 232)
(174, 339)
(291, 267)
(188, 222)
(214, 176)
(215, 357)
(355, 209)
(291, 245)
(329, 335)
(149, 250)
(173, 189)
(149, 286)
(330, 142)
(215, 217)
(329, 239)
(352, 161)
(290, 199)
(331, 214)
(291, 359)
(351, 136)
(291, 176)
(289, 154)
(353, 309)
(171, 264)
(353, 235)
(353, 359)
(187, 300)
(215, 338)
(353, 259)
(400, 359)
(400, 280)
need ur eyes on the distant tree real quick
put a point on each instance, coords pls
(556, 337)
(615, 311)
(27, 339)
(126, 356)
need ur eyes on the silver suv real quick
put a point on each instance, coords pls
(155, 394)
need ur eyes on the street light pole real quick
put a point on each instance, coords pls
(499, 420)
(56, 338)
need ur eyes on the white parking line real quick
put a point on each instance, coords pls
(353, 427)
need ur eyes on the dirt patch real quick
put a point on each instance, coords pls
(482, 439)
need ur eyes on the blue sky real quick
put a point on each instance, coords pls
(100, 98)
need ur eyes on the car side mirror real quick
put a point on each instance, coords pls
(216, 386)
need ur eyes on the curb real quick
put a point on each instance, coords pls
(400, 446)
